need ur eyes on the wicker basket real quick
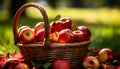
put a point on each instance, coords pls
(47, 51)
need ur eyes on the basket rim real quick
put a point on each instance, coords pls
(55, 44)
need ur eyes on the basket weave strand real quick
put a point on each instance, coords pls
(48, 51)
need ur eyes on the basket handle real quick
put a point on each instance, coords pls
(45, 18)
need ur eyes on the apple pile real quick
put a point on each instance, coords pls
(62, 30)
(96, 59)
(102, 59)
(13, 61)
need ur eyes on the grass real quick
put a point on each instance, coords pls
(104, 25)
(6, 40)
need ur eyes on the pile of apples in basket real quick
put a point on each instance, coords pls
(62, 30)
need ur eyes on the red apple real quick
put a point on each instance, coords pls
(105, 66)
(86, 31)
(94, 50)
(1, 67)
(22, 27)
(61, 64)
(57, 26)
(91, 62)
(55, 36)
(38, 26)
(105, 54)
(118, 67)
(40, 35)
(116, 59)
(3, 60)
(10, 64)
(26, 35)
(15, 64)
(37, 68)
(67, 22)
(21, 66)
(65, 36)
(17, 56)
(79, 36)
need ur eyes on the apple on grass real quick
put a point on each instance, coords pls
(116, 59)
(105, 66)
(86, 31)
(27, 35)
(66, 36)
(61, 64)
(118, 67)
(91, 62)
(10, 64)
(37, 68)
(38, 26)
(15, 64)
(21, 66)
(79, 36)
(67, 22)
(3, 60)
(17, 56)
(105, 55)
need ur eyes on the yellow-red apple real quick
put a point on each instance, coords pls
(105, 54)
(91, 62)
(55, 36)
(27, 35)
(22, 27)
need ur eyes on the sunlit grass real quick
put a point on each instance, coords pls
(7, 42)
(103, 15)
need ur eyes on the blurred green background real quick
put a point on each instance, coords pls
(102, 17)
